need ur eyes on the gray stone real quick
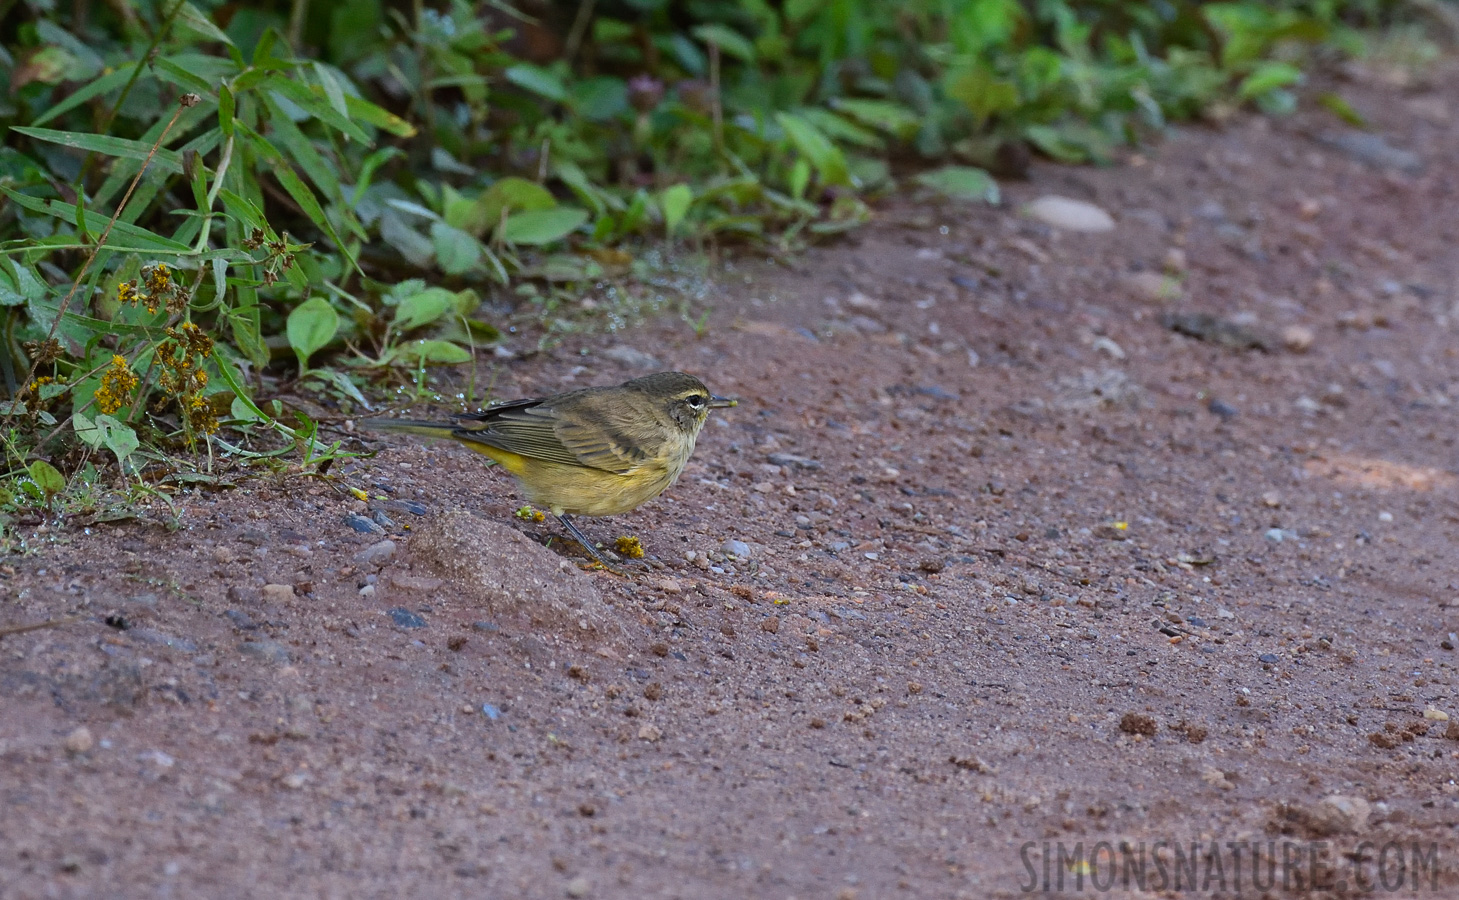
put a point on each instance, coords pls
(631, 357)
(265, 651)
(1069, 214)
(377, 554)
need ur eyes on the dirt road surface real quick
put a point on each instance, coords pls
(1007, 551)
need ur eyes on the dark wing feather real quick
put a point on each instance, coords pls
(533, 429)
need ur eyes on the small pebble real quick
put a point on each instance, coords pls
(1385, 517)
(404, 618)
(278, 593)
(1270, 659)
(491, 712)
(735, 548)
(579, 887)
(1298, 338)
(362, 524)
(1070, 214)
(1153, 287)
(265, 651)
(1222, 408)
(79, 741)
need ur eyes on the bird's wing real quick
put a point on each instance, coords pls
(533, 429)
(609, 440)
(523, 427)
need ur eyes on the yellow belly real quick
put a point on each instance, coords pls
(579, 490)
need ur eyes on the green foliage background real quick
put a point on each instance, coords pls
(350, 179)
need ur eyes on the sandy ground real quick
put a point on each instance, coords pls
(1022, 569)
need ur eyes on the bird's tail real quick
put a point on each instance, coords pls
(411, 426)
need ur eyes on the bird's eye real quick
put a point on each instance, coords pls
(695, 401)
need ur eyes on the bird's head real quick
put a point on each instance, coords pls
(683, 398)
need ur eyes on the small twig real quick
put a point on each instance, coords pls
(716, 107)
(184, 102)
(579, 28)
(136, 72)
(53, 623)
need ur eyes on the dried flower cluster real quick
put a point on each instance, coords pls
(183, 378)
(159, 289)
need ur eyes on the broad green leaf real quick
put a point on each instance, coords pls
(982, 92)
(542, 226)
(456, 251)
(961, 183)
(430, 352)
(1266, 78)
(675, 202)
(512, 194)
(809, 141)
(538, 80)
(118, 437)
(86, 430)
(728, 40)
(46, 478)
(423, 308)
(312, 325)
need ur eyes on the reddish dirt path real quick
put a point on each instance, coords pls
(942, 646)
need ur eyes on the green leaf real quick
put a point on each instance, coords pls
(982, 92)
(134, 237)
(312, 324)
(170, 160)
(430, 352)
(368, 112)
(511, 194)
(423, 308)
(118, 437)
(538, 80)
(1343, 110)
(105, 84)
(226, 107)
(542, 226)
(191, 20)
(1267, 77)
(675, 202)
(313, 101)
(810, 142)
(46, 478)
(456, 251)
(728, 40)
(961, 183)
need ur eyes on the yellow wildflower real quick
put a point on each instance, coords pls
(117, 384)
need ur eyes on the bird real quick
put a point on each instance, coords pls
(596, 451)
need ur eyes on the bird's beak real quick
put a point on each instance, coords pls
(722, 402)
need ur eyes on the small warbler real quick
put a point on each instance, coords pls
(597, 451)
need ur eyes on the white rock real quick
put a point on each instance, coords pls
(1070, 214)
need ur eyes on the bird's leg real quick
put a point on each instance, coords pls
(587, 544)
